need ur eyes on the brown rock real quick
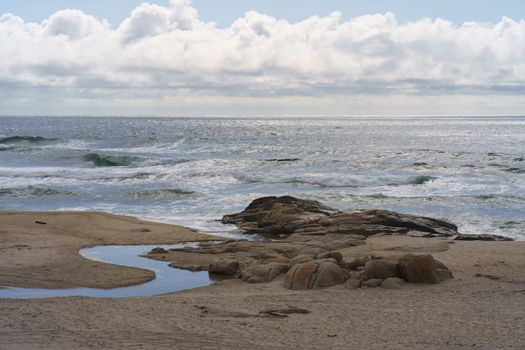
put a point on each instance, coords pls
(225, 267)
(300, 259)
(287, 215)
(373, 283)
(381, 269)
(393, 283)
(260, 273)
(314, 274)
(338, 257)
(352, 283)
(423, 269)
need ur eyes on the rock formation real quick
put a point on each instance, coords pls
(280, 216)
(303, 242)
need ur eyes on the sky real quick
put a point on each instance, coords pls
(262, 57)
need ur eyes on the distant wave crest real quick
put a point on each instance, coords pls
(26, 139)
(163, 193)
(104, 160)
(32, 191)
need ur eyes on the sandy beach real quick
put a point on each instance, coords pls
(45, 254)
(481, 308)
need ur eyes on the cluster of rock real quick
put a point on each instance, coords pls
(306, 238)
(310, 271)
(366, 272)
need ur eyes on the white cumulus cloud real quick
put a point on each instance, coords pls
(161, 51)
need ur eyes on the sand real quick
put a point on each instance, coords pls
(481, 308)
(46, 256)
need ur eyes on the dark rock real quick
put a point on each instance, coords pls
(423, 269)
(277, 216)
(482, 237)
(370, 222)
(281, 209)
(159, 250)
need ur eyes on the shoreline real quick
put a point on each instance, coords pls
(47, 255)
(480, 308)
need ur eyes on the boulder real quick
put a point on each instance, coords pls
(261, 272)
(158, 250)
(381, 268)
(286, 215)
(300, 259)
(352, 283)
(225, 267)
(332, 255)
(423, 269)
(314, 274)
(372, 283)
(359, 262)
(393, 283)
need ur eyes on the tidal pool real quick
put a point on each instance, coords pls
(167, 279)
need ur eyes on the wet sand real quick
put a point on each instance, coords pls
(481, 308)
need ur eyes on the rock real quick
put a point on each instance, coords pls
(225, 267)
(370, 222)
(360, 262)
(300, 259)
(314, 274)
(393, 283)
(338, 257)
(414, 233)
(373, 283)
(423, 269)
(352, 283)
(285, 213)
(277, 216)
(481, 237)
(260, 273)
(381, 269)
(158, 250)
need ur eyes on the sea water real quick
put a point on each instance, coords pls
(191, 171)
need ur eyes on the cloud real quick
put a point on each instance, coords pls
(166, 50)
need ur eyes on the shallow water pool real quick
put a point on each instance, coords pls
(167, 279)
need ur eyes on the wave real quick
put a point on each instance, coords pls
(282, 160)
(325, 180)
(420, 180)
(25, 139)
(163, 193)
(515, 170)
(104, 160)
(32, 191)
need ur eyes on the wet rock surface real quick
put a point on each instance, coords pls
(304, 240)
(287, 215)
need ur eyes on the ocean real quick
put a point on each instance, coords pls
(191, 171)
